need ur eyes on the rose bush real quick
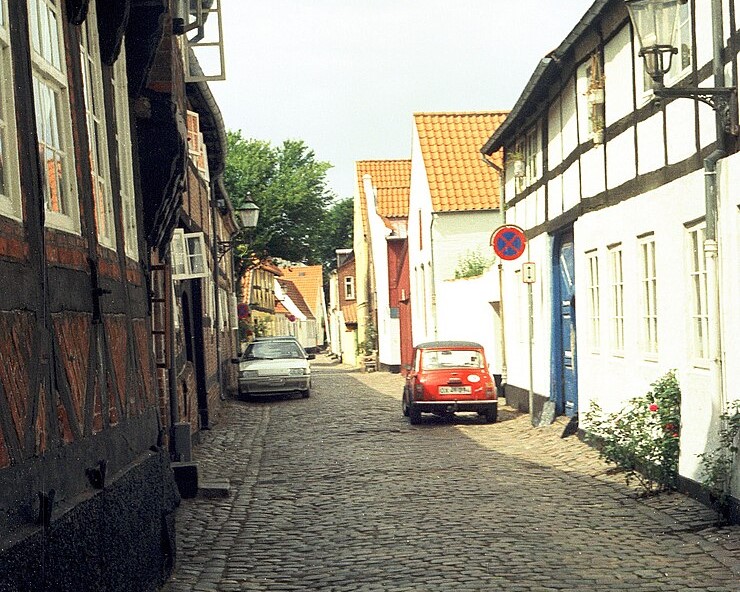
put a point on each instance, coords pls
(642, 438)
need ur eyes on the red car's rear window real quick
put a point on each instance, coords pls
(438, 359)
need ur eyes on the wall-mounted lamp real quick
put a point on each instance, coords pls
(248, 215)
(656, 23)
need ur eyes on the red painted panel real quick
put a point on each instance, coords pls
(16, 329)
(117, 342)
(73, 337)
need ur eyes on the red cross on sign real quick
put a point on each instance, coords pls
(508, 242)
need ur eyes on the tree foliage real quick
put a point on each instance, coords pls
(289, 186)
(336, 232)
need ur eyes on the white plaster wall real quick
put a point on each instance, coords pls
(620, 158)
(457, 234)
(680, 129)
(664, 211)
(465, 312)
(618, 76)
(650, 144)
(516, 315)
(554, 145)
(420, 217)
(349, 345)
(569, 132)
(572, 186)
(593, 162)
(389, 350)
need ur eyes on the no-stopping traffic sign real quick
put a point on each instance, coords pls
(508, 242)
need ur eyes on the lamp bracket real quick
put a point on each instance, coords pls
(723, 100)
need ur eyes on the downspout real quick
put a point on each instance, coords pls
(502, 332)
(434, 285)
(711, 245)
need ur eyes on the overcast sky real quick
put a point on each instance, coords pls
(346, 76)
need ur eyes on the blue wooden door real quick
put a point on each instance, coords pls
(565, 329)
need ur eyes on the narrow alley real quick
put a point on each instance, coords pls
(338, 492)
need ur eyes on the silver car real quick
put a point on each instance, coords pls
(274, 366)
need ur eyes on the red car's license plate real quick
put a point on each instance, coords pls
(454, 390)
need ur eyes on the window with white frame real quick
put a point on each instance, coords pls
(125, 163)
(10, 193)
(188, 254)
(649, 297)
(681, 63)
(698, 288)
(617, 299)
(594, 301)
(53, 120)
(92, 85)
(349, 288)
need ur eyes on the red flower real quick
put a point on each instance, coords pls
(653, 407)
(669, 427)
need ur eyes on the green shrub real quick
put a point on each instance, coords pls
(472, 264)
(642, 439)
(717, 464)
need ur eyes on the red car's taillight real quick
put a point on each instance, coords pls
(490, 391)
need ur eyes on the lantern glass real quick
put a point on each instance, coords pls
(248, 214)
(654, 21)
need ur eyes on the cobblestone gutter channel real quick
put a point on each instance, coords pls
(338, 493)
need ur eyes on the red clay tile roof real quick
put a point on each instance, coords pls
(291, 290)
(308, 280)
(349, 312)
(392, 180)
(450, 147)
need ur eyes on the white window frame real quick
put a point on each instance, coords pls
(683, 41)
(50, 72)
(616, 277)
(125, 158)
(92, 85)
(594, 302)
(698, 295)
(10, 190)
(648, 297)
(349, 287)
(189, 255)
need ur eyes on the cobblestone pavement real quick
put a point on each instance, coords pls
(339, 493)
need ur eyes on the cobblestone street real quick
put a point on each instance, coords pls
(339, 493)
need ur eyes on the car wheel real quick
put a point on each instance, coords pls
(490, 415)
(414, 415)
(404, 406)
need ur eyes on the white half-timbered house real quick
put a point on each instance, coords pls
(609, 187)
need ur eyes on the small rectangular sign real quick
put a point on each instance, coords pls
(528, 273)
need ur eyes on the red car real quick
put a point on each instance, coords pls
(449, 376)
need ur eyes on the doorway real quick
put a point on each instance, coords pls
(564, 358)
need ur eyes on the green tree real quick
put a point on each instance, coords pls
(289, 186)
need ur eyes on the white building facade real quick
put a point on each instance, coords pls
(610, 191)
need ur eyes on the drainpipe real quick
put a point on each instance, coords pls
(711, 245)
(434, 284)
(502, 332)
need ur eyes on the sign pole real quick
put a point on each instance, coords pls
(530, 314)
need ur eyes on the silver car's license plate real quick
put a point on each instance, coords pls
(454, 390)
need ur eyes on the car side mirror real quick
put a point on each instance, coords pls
(310, 357)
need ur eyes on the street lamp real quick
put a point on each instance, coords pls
(247, 214)
(655, 22)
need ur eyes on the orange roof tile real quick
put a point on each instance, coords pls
(450, 147)
(392, 180)
(291, 290)
(308, 280)
(349, 312)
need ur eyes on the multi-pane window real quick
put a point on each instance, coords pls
(698, 280)
(617, 299)
(95, 115)
(682, 62)
(53, 121)
(125, 164)
(188, 255)
(649, 299)
(594, 303)
(349, 288)
(10, 203)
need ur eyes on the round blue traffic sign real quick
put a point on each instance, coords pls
(508, 242)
